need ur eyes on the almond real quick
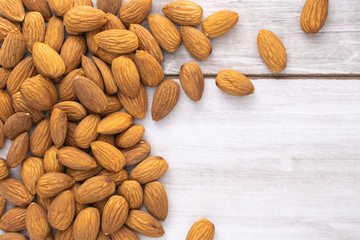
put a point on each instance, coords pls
(14, 191)
(40, 138)
(17, 150)
(108, 57)
(66, 234)
(165, 32)
(107, 76)
(83, 3)
(149, 170)
(40, 6)
(109, 6)
(6, 109)
(219, 23)
(6, 26)
(116, 177)
(13, 220)
(115, 213)
(58, 127)
(192, 80)
(31, 170)
(33, 29)
(136, 106)
(144, 224)
(234, 83)
(23, 70)
(90, 95)
(155, 200)
(147, 42)
(198, 45)
(113, 105)
(66, 87)
(118, 41)
(84, 19)
(108, 156)
(70, 135)
(150, 70)
(44, 202)
(95, 189)
(16, 124)
(110, 139)
(137, 153)
(124, 233)
(135, 11)
(101, 236)
(113, 22)
(100, 205)
(12, 10)
(74, 110)
(51, 163)
(2, 135)
(75, 158)
(86, 131)
(132, 192)
(60, 7)
(4, 76)
(47, 61)
(4, 171)
(130, 137)
(313, 16)
(78, 206)
(13, 236)
(55, 33)
(20, 105)
(81, 175)
(201, 230)
(36, 222)
(183, 12)
(13, 49)
(90, 42)
(115, 123)
(62, 211)
(165, 99)
(126, 76)
(71, 51)
(87, 224)
(92, 72)
(53, 183)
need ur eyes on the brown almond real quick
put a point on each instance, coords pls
(313, 15)
(183, 12)
(116, 177)
(24, 70)
(234, 83)
(4, 76)
(118, 41)
(113, 105)
(136, 106)
(95, 189)
(71, 51)
(62, 211)
(40, 138)
(66, 87)
(130, 137)
(18, 150)
(108, 156)
(60, 7)
(150, 70)
(6, 109)
(109, 6)
(33, 29)
(197, 44)
(86, 130)
(116, 122)
(92, 72)
(87, 224)
(84, 19)
(74, 110)
(192, 80)
(13, 220)
(14, 191)
(4, 170)
(16, 124)
(6, 26)
(13, 49)
(100, 205)
(81, 175)
(132, 192)
(115, 213)
(20, 105)
(55, 33)
(135, 11)
(110, 139)
(165, 32)
(53, 183)
(149, 170)
(113, 22)
(155, 200)
(126, 76)
(75, 158)
(202, 229)
(31, 170)
(12, 10)
(107, 76)
(137, 153)
(124, 233)
(108, 57)
(165, 99)
(144, 223)
(90, 42)
(219, 23)
(51, 163)
(70, 135)
(78, 206)
(36, 222)
(44, 202)
(66, 234)
(2, 135)
(58, 126)
(13, 236)
(40, 6)
(83, 3)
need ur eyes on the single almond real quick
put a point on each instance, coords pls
(16, 124)
(60, 7)
(116, 177)
(130, 137)
(115, 213)
(219, 23)
(18, 150)
(14, 191)
(75, 158)
(113, 105)
(40, 6)
(58, 126)
(12, 10)
(107, 76)
(92, 72)
(87, 224)
(144, 223)
(6, 109)
(13, 236)
(137, 153)
(84, 19)
(113, 22)
(118, 41)
(67, 233)
(135, 11)
(198, 45)
(126, 76)
(150, 70)
(33, 29)
(313, 15)
(71, 51)
(155, 200)
(132, 192)
(20, 105)
(124, 233)
(192, 80)
(165, 99)
(13, 220)
(149, 170)
(234, 83)
(55, 33)
(51, 163)
(53, 183)
(95, 189)
(74, 110)
(40, 138)
(36, 222)
(23, 70)
(202, 229)
(12, 49)
(116, 122)
(6, 26)
(110, 139)
(44, 202)
(83, 3)
(31, 170)
(78, 206)
(66, 87)
(183, 12)
(109, 6)
(136, 106)
(4, 171)
(86, 131)
(108, 156)
(62, 211)
(81, 175)
(4, 76)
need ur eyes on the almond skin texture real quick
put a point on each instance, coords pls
(33, 29)
(136, 106)
(44, 202)
(108, 156)
(13, 49)
(109, 6)
(107, 76)
(55, 33)
(6, 109)
(24, 70)
(147, 42)
(272, 51)
(313, 16)
(17, 150)
(90, 95)
(40, 6)
(53, 183)
(92, 72)
(81, 175)
(198, 45)
(106, 138)
(192, 80)
(13, 220)
(20, 105)
(113, 105)
(70, 135)
(144, 224)
(155, 200)
(78, 206)
(130, 137)
(132, 192)
(2, 135)
(165, 99)
(14, 191)
(12, 10)
(150, 70)
(47, 61)
(84, 19)
(124, 233)
(113, 23)
(66, 234)
(234, 83)
(60, 7)
(183, 12)
(118, 41)
(95, 189)
(100, 205)
(58, 127)
(62, 211)
(135, 11)
(87, 224)
(16, 124)
(165, 32)
(116, 177)
(13, 236)
(201, 230)
(40, 138)
(72, 50)
(126, 76)
(149, 170)
(51, 163)
(83, 3)
(6, 26)
(75, 158)
(66, 87)
(4, 171)
(74, 110)
(115, 213)
(4, 76)
(36, 222)
(31, 170)
(137, 153)
(86, 131)
(219, 23)
(115, 123)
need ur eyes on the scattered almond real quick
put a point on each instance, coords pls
(55, 33)
(136, 106)
(23, 70)
(6, 26)
(132, 192)
(87, 224)
(18, 150)
(192, 80)
(149, 170)
(150, 70)
(116, 122)
(12, 10)
(66, 87)
(4, 171)
(234, 83)
(92, 72)
(130, 137)
(75, 158)
(31, 170)
(74, 110)
(53, 183)
(58, 127)
(20, 105)
(4, 76)
(198, 45)
(40, 138)
(71, 51)
(14, 191)
(201, 230)
(13, 220)
(40, 6)
(313, 16)
(60, 7)
(108, 156)
(115, 214)
(219, 23)
(12, 49)
(118, 41)
(126, 76)
(144, 224)
(135, 11)
(86, 131)
(95, 189)
(109, 6)
(36, 222)
(113, 23)
(137, 153)
(6, 109)
(51, 163)
(183, 12)
(62, 211)
(16, 124)
(155, 200)
(107, 76)
(116, 177)
(124, 233)
(82, 175)
(33, 29)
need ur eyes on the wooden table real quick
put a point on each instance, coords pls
(283, 163)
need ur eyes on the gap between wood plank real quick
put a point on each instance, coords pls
(288, 76)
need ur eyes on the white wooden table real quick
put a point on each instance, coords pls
(283, 163)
